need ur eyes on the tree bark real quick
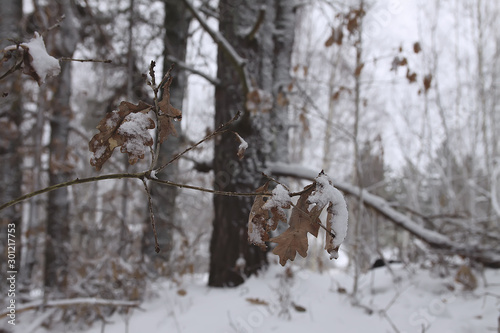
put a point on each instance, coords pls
(57, 252)
(176, 26)
(11, 116)
(251, 28)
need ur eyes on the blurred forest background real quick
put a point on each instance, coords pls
(399, 98)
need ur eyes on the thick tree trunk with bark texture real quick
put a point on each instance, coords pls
(57, 252)
(176, 25)
(11, 116)
(251, 28)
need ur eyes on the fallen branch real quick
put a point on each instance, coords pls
(69, 302)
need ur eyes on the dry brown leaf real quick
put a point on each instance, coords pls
(416, 47)
(358, 70)
(256, 301)
(466, 278)
(168, 114)
(242, 147)
(127, 128)
(302, 221)
(336, 37)
(427, 82)
(258, 100)
(257, 221)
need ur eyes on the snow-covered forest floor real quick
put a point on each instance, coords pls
(410, 299)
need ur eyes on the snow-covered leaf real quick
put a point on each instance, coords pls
(257, 220)
(127, 128)
(242, 147)
(37, 63)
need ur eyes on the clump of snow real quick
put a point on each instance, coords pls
(43, 63)
(243, 144)
(98, 154)
(324, 194)
(255, 232)
(280, 198)
(135, 128)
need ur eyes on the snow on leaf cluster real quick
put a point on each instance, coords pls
(304, 218)
(128, 128)
(337, 215)
(37, 63)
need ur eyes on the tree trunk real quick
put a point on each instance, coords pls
(57, 252)
(252, 28)
(11, 116)
(176, 25)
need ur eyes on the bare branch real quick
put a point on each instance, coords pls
(262, 14)
(238, 62)
(213, 80)
(219, 130)
(106, 61)
(151, 215)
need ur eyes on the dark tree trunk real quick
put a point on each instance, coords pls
(176, 25)
(11, 116)
(57, 252)
(232, 258)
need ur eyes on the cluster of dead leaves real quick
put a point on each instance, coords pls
(304, 218)
(128, 128)
(410, 75)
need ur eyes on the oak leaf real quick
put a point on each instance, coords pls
(257, 220)
(302, 221)
(256, 301)
(126, 128)
(167, 114)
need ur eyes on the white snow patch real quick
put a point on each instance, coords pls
(255, 232)
(135, 127)
(324, 194)
(43, 63)
(280, 198)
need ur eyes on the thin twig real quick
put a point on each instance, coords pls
(140, 175)
(262, 14)
(219, 130)
(236, 59)
(71, 183)
(207, 190)
(151, 215)
(276, 181)
(213, 80)
(106, 61)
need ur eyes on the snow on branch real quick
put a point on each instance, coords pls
(488, 257)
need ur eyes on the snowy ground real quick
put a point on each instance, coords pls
(406, 300)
